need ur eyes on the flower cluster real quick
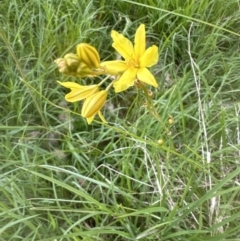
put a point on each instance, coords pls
(86, 62)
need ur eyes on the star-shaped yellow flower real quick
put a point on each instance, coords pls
(136, 60)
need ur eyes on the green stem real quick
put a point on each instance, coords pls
(106, 78)
(110, 85)
(152, 109)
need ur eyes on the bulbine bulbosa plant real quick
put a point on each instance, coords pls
(131, 70)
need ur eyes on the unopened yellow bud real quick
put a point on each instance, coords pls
(72, 60)
(138, 84)
(83, 70)
(93, 104)
(160, 142)
(62, 65)
(89, 55)
(64, 70)
(59, 61)
(150, 93)
(68, 64)
(170, 120)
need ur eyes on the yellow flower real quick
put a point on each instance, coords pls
(78, 92)
(136, 60)
(92, 106)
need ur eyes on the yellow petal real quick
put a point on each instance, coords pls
(90, 119)
(93, 104)
(122, 45)
(146, 76)
(114, 67)
(140, 41)
(149, 57)
(101, 117)
(126, 80)
(71, 85)
(80, 94)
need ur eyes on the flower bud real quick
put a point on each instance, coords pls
(72, 60)
(150, 94)
(160, 142)
(64, 70)
(68, 64)
(83, 70)
(78, 92)
(89, 55)
(93, 104)
(59, 61)
(62, 65)
(138, 84)
(170, 120)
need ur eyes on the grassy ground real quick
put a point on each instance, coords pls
(61, 179)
